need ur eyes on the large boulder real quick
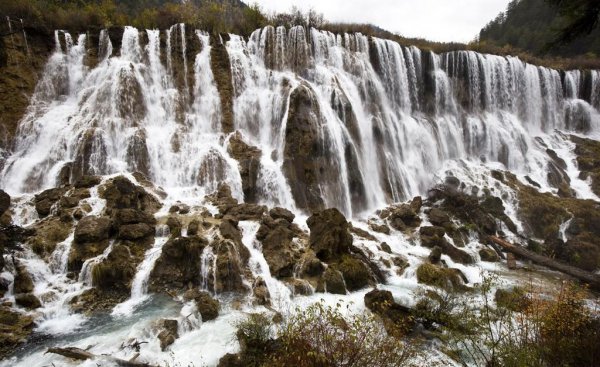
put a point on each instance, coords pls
(248, 158)
(23, 282)
(4, 202)
(438, 276)
(432, 237)
(90, 155)
(87, 182)
(276, 236)
(332, 281)
(135, 232)
(304, 158)
(356, 273)
(229, 268)
(15, 327)
(132, 216)
(396, 318)
(179, 264)
(168, 333)
(28, 301)
(245, 211)
(47, 233)
(46, 200)
(175, 226)
(438, 217)
(207, 306)
(489, 255)
(402, 217)
(282, 213)
(92, 229)
(261, 293)
(310, 265)
(116, 271)
(120, 193)
(222, 198)
(329, 234)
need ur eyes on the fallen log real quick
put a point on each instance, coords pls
(592, 279)
(82, 355)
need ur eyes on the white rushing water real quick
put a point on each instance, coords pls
(383, 123)
(388, 116)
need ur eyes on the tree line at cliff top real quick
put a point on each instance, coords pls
(554, 33)
(547, 27)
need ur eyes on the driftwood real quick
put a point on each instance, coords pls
(82, 355)
(592, 279)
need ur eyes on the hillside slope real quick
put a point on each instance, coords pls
(532, 24)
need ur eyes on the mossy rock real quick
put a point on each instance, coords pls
(116, 271)
(356, 273)
(489, 255)
(15, 327)
(437, 276)
(332, 281)
(514, 299)
(96, 299)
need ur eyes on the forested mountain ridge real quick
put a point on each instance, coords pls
(83, 15)
(532, 25)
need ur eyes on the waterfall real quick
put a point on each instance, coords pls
(208, 266)
(85, 275)
(341, 120)
(280, 294)
(25, 38)
(139, 285)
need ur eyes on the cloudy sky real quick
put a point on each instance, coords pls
(439, 20)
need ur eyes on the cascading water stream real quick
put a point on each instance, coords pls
(280, 294)
(139, 285)
(85, 275)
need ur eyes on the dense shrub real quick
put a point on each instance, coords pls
(321, 336)
(516, 328)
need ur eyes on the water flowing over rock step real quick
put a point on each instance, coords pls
(83, 355)
(589, 278)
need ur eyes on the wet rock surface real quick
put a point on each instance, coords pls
(397, 319)
(4, 202)
(329, 234)
(47, 199)
(179, 264)
(168, 333)
(207, 306)
(276, 234)
(303, 159)
(15, 327)
(248, 158)
(92, 229)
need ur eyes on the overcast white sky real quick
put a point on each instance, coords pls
(438, 20)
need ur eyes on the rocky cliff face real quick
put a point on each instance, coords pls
(22, 59)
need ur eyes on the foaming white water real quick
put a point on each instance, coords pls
(280, 294)
(55, 290)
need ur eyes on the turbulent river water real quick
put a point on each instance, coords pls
(374, 123)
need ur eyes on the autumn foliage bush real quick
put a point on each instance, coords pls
(321, 336)
(545, 330)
